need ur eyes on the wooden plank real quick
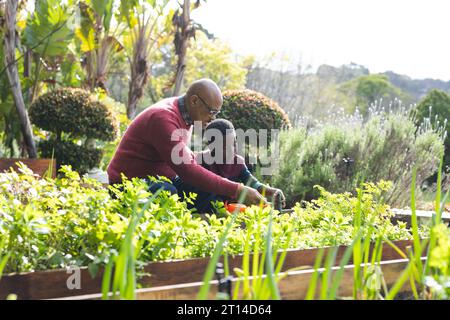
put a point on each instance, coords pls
(48, 283)
(293, 287)
(423, 217)
(53, 283)
(38, 166)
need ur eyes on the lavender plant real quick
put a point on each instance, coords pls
(339, 152)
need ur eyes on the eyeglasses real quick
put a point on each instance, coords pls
(211, 111)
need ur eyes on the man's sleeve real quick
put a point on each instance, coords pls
(167, 140)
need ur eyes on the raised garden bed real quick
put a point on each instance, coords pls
(423, 217)
(38, 166)
(53, 283)
(293, 287)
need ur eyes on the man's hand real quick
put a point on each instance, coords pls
(252, 196)
(275, 195)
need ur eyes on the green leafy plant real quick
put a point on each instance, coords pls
(265, 274)
(428, 277)
(124, 280)
(72, 220)
(3, 258)
(429, 273)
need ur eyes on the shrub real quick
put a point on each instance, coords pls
(74, 111)
(74, 117)
(435, 109)
(338, 157)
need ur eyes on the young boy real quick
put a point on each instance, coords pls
(222, 159)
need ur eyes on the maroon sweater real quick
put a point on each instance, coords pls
(146, 149)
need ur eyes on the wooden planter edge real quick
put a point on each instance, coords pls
(53, 283)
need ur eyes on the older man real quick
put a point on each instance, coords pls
(156, 144)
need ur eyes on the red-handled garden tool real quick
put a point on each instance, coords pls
(231, 207)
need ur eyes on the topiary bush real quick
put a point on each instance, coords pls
(74, 111)
(75, 119)
(80, 157)
(248, 109)
(338, 157)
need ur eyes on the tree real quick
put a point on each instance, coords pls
(48, 35)
(290, 83)
(371, 88)
(215, 60)
(99, 41)
(75, 119)
(146, 35)
(184, 31)
(10, 40)
(206, 58)
(434, 110)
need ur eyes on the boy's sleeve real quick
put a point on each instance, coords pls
(246, 177)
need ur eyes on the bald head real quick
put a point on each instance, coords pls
(203, 100)
(208, 90)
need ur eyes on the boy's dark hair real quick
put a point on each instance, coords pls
(220, 124)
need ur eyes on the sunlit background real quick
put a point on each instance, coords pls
(407, 37)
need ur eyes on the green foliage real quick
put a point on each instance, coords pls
(73, 111)
(249, 109)
(435, 109)
(440, 261)
(119, 110)
(372, 87)
(429, 273)
(205, 58)
(47, 224)
(214, 59)
(48, 30)
(385, 147)
(49, 37)
(80, 157)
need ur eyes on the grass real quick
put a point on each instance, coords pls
(416, 271)
(210, 269)
(3, 260)
(3, 257)
(259, 287)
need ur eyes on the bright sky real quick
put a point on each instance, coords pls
(409, 37)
